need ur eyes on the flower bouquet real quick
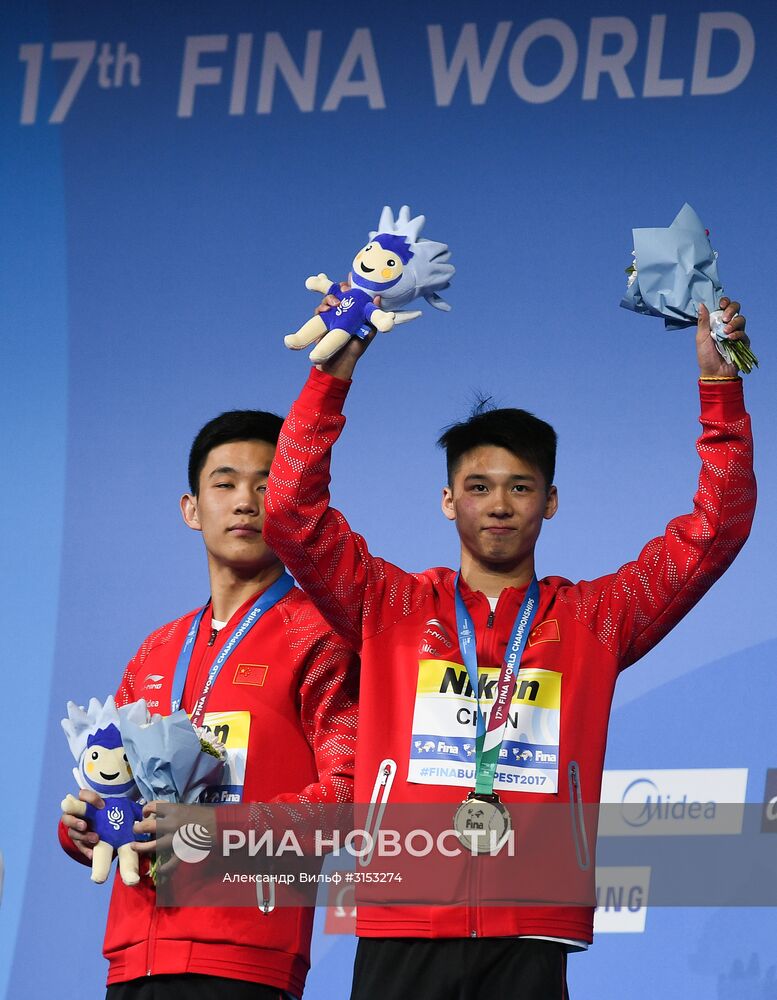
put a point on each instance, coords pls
(171, 760)
(675, 270)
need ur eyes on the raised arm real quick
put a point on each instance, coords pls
(331, 563)
(631, 610)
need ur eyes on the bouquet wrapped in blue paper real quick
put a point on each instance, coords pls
(170, 759)
(675, 270)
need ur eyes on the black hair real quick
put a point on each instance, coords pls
(234, 425)
(518, 431)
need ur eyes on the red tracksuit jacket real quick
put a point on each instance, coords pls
(297, 680)
(412, 685)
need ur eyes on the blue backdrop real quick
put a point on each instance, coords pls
(171, 175)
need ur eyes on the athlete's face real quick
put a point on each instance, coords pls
(229, 509)
(498, 502)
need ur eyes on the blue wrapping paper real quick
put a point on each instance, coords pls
(676, 270)
(167, 760)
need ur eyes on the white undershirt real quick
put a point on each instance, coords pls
(217, 626)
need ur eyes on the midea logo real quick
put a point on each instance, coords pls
(643, 803)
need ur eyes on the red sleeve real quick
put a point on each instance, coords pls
(328, 712)
(125, 693)
(631, 610)
(331, 563)
(68, 846)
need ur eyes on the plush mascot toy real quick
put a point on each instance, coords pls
(96, 743)
(396, 265)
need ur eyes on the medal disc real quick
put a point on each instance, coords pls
(481, 823)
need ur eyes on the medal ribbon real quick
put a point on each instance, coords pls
(489, 738)
(262, 604)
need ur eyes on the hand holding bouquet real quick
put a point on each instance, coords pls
(675, 270)
(171, 760)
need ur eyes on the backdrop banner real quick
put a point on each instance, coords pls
(171, 174)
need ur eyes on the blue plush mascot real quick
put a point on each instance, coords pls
(96, 743)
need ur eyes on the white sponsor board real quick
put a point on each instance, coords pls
(673, 802)
(621, 897)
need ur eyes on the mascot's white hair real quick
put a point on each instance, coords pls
(81, 723)
(428, 271)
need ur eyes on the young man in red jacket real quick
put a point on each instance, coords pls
(543, 663)
(282, 702)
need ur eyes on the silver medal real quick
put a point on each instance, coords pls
(482, 822)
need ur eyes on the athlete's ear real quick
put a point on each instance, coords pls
(189, 511)
(551, 503)
(448, 506)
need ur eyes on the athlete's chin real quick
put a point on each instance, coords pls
(501, 551)
(247, 557)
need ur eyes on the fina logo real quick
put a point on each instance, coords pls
(192, 843)
(646, 793)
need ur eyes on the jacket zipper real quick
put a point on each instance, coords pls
(474, 870)
(487, 649)
(578, 817)
(152, 928)
(151, 940)
(474, 885)
(265, 903)
(199, 671)
(384, 779)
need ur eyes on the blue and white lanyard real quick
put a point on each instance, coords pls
(489, 738)
(262, 604)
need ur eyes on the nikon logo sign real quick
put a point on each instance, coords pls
(458, 682)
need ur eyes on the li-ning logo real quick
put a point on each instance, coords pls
(116, 817)
(435, 638)
(153, 682)
(192, 842)
(345, 305)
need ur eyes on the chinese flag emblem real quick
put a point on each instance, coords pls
(546, 631)
(250, 673)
